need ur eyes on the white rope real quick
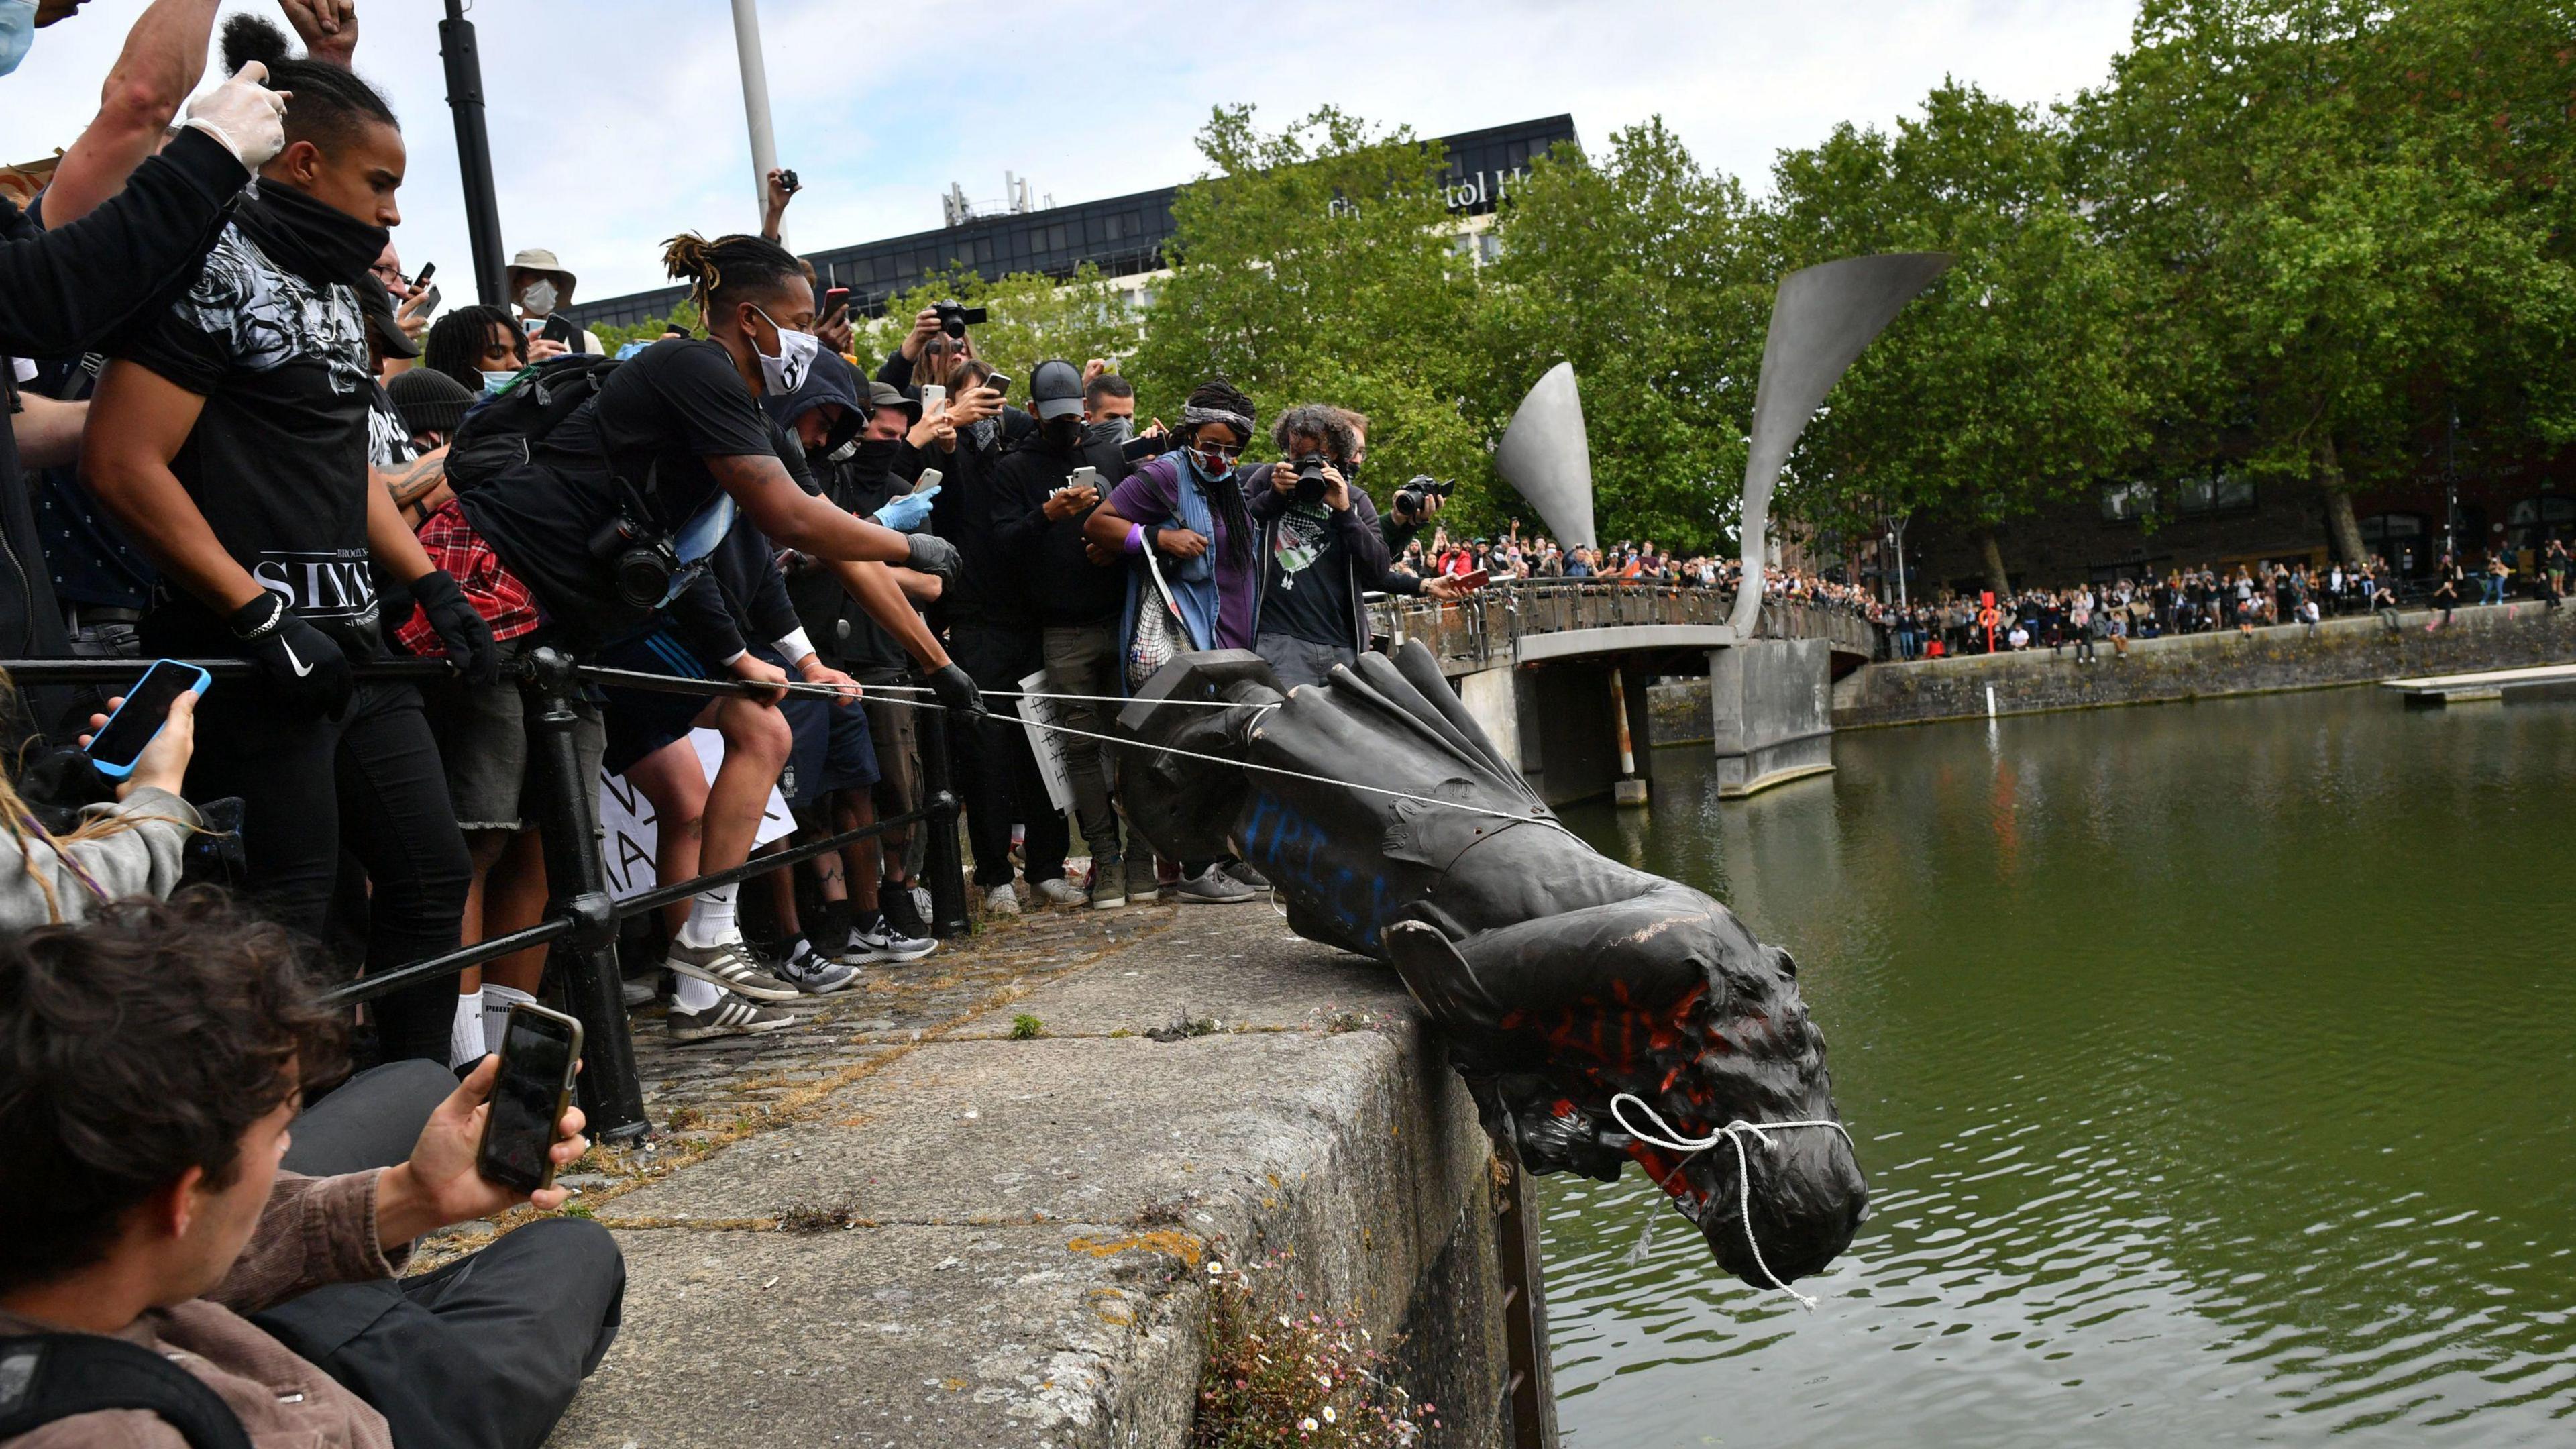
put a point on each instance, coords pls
(1277, 770)
(1665, 1137)
(1116, 699)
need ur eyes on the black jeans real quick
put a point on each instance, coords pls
(370, 1120)
(371, 781)
(484, 1353)
(997, 777)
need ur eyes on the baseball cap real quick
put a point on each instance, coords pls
(883, 394)
(1055, 390)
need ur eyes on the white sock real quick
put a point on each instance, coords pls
(465, 1038)
(690, 994)
(711, 919)
(497, 1001)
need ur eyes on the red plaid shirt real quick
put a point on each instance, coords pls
(495, 592)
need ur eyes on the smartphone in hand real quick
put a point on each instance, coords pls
(120, 742)
(1000, 383)
(539, 1052)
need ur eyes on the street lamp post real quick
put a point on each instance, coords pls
(755, 105)
(473, 153)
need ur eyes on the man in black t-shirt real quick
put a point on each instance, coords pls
(230, 438)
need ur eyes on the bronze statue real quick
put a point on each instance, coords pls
(1558, 978)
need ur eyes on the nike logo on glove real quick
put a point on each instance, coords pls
(301, 668)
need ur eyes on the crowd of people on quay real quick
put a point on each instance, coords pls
(244, 431)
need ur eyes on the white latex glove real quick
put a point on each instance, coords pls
(248, 117)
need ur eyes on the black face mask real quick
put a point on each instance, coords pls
(1064, 434)
(1109, 430)
(322, 244)
(870, 459)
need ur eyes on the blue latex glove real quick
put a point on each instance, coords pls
(909, 512)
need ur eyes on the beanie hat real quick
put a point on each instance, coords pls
(429, 400)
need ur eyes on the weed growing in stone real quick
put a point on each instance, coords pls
(814, 1217)
(1025, 1027)
(1278, 1376)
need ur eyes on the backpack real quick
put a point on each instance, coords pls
(499, 431)
(50, 1376)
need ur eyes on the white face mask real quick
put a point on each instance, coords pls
(538, 298)
(796, 350)
(493, 382)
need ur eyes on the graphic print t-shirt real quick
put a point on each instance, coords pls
(278, 460)
(1309, 589)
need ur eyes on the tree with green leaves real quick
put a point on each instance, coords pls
(1320, 263)
(1030, 318)
(2014, 379)
(1652, 277)
(2357, 221)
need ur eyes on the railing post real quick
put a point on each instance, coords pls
(947, 871)
(577, 888)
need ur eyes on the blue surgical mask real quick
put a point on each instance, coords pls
(17, 32)
(495, 383)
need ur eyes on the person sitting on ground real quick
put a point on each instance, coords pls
(151, 1065)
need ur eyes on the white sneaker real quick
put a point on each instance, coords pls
(816, 974)
(1060, 892)
(1001, 900)
(883, 942)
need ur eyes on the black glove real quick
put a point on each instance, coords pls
(466, 634)
(299, 659)
(933, 555)
(955, 688)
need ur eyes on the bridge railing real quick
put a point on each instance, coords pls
(1486, 627)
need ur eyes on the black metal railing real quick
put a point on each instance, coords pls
(1487, 626)
(580, 924)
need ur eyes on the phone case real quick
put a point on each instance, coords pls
(204, 682)
(563, 1098)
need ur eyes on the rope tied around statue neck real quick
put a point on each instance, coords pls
(1733, 1133)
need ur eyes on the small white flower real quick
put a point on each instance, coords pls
(1307, 1423)
(1328, 1413)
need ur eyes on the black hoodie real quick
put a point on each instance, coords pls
(1063, 585)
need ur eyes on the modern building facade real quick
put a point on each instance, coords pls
(1123, 235)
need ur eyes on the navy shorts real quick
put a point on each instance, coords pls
(834, 748)
(641, 721)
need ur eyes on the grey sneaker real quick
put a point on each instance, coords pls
(730, 1016)
(1213, 887)
(816, 974)
(731, 965)
(1108, 888)
(1142, 887)
(1059, 892)
(882, 942)
(1243, 871)
(1001, 900)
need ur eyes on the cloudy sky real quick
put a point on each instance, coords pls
(618, 122)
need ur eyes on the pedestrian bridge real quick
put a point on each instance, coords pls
(1556, 672)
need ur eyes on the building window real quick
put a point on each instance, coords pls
(2128, 502)
(2533, 522)
(2216, 493)
(2398, 538)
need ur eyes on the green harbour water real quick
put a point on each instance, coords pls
(2214, 1068)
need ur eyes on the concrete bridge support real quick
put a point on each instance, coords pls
(1771, 705)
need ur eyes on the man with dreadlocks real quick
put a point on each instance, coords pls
(1187, 508)
(674, 447)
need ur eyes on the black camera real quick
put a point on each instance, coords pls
(642, 562)
(1310, 476)
(1414, 498)
(788, 183)
(955, 319)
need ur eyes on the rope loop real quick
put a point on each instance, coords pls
(1665, 1136)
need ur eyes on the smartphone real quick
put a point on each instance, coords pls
(427, 271)
(1474, 578)
(834, 298)
(928, 480)
(427, 301)
(1000, 383)
(1138, 449)
(121, 741)
(539, 1050)
(933, 398)
(1085, 476)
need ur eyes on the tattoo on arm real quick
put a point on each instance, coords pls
(410, 482)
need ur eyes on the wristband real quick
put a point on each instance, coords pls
(276, 616)
(1135, 538)
(795, 645)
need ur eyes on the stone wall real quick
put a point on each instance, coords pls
(2342, 651)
